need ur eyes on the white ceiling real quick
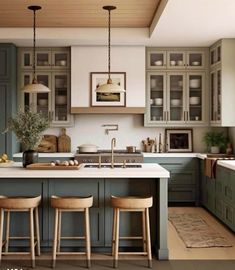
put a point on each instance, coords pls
(195, 23)
(183, 23)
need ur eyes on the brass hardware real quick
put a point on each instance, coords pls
(107, 130)
(113, 144)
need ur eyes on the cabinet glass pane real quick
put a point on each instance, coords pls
(218, 115)
(195, 59)
(176, 97)
(156, 97)
(213, 95)
(212, 57)
(157, 59)
(42, 59)
(176, 59)
(61, 97)
(195, 97)
(43, 98)
(26, 59)
(218, 54)
(61, 59)
(26, 95)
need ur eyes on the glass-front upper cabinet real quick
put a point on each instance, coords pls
(26, 59)
(196, 60)
(60, 59)
(156, 59)
(61, 97)
(215, 54)
(43, 59)
(215, 92)
(176, 100)
(195, 97)
(156, 97)
(176, 59)
(26, 98)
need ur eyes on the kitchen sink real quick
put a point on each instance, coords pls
(115, 166)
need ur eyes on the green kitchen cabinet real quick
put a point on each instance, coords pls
(183, 184)
(8, 96)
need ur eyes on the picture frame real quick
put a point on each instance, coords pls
(179, 140)
(109, 99)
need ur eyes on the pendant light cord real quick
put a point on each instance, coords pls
(109, 45)
(34, 45)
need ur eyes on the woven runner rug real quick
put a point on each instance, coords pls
(196, 233)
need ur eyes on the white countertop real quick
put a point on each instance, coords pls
(230, 164)
(52, 155)
(147, 171)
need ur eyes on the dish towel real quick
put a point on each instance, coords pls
(210, 167)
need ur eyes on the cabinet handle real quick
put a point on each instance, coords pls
(187, 115)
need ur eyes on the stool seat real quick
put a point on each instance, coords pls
(131, 202)
(71, 202)
(19, 202)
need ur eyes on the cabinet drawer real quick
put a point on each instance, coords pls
(181, 193)
(174, 163)
(181, 178)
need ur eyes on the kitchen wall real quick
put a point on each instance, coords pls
(88, 129)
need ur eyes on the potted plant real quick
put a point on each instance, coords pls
(28, 126)
(215, 140)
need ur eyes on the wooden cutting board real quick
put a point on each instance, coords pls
(47, 166)
(48, 144)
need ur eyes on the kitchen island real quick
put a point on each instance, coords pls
(148, 180)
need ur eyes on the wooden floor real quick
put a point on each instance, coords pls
(178, 250)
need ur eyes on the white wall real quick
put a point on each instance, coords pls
(86, 59)
(88, 129)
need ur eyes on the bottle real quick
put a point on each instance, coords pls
(160, 144)
(229, 149)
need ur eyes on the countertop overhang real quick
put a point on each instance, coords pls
(146, 171)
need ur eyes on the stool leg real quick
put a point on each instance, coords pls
(55, 239)
(148, 237)
(7, 231)
(114, 227)
(144, 231)
(37, 231)
(32, 237)
(1, 231)
(88, 241)
(115, 262)
(59, 230)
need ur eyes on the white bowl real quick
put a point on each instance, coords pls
(194, 83)
(195, 63)
(173, 62)
(43, 102)
(158, 101)
(180, 63)
(158, 63)
(175, 102)
(61, 100)
(194, 100)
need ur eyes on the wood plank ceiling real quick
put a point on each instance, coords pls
(78, 13)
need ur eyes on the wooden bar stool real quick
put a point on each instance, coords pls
(71, 204)
(131, 204)
(20, 204)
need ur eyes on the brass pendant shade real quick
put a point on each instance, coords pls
(35, 87)
(109, 87)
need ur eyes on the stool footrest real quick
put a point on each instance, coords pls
(133, 253)
(70, 253)
(15, 253)
(72, 237)
(131, 238)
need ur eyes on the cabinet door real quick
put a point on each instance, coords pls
(61, 99)
(156, 59)
(26, 99)
(215, 93)
(4, 63)
(43, 59)
(3, 122)
(60, 59)
(215, 55)
(176, 60)
(43, 100)
(176, 97)
(195, 60)
(26, 59)
(156, 98)
(195, 97)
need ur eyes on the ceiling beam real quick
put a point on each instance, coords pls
(159, 10)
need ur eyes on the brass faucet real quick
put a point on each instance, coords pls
(113, 144)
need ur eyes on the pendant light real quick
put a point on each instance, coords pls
(109, 87)
(35, 87)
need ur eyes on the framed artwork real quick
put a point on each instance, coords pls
(179, 140)
(107, 99)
